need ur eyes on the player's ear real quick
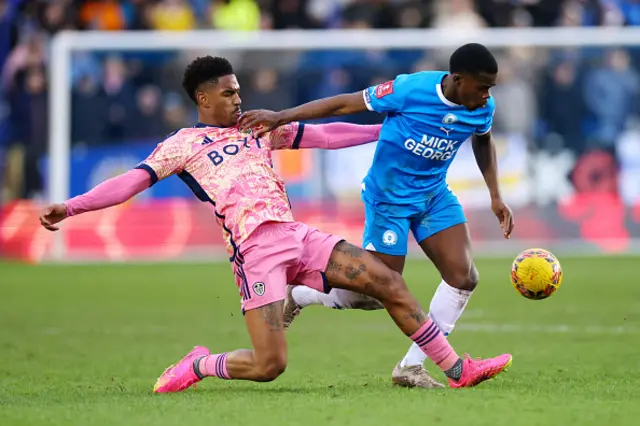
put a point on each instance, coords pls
(457, 79)
(203, 99)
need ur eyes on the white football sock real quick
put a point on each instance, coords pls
(305, 296)
(447, 305)
(336, 299)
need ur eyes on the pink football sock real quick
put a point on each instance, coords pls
(435, 345)
(215, 365)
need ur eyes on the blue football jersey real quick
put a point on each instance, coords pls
(420, 137)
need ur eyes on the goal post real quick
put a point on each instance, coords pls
(64, 44)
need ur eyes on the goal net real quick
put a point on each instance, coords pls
(565, 128)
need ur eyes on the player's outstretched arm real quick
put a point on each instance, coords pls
(109, 193)
(265, 120)
(485, 152)
(338, 135)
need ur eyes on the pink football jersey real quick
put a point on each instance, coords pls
(232, 170)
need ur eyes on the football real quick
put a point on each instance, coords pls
(536, 273)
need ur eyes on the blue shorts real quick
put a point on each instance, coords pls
(386, 226)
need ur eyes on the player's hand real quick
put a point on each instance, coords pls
(504, 214)
(260, 120)
(53, 214)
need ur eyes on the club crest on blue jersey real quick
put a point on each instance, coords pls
(449, 119)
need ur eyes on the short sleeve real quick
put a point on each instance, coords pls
(287, 136)
(486, 126)
(389, 96)
(167, 159)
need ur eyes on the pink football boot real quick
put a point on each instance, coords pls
(476, 371)
(180, 376)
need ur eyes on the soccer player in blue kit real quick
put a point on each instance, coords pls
(429, 115)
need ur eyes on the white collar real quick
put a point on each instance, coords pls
(442, 98)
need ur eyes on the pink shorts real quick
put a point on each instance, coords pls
(281, 253)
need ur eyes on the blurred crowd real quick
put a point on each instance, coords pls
(572, 98)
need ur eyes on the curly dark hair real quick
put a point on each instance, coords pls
(207, 69)
(473, 58)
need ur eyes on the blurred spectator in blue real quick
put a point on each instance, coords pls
(120, 97)
(327, 13)
(146, 122)
(266, 91)
(176, 115)
(138, 14)
(8, 37)
(89, 111)
(612, 103)
(334, 82)
(630, 9)
(561, 105)
(84, 64)
(8, 30)
(580, 13)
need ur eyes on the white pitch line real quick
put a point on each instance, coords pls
(462, 328)
(545, 329)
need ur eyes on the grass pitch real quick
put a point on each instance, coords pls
(83, 345)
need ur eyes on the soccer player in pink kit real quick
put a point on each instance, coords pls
(232, 170)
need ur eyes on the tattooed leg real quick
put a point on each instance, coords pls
(300, 297)
(352, 268)
(268, 359)
(355, 269)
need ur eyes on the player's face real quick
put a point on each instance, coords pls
(223, 100)
(473, 90)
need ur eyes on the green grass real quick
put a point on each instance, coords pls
(83, 345)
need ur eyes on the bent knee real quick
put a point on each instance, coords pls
(269, 370)
(465, 280)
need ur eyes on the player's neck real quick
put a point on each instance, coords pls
(204, 120)
(448, 89)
